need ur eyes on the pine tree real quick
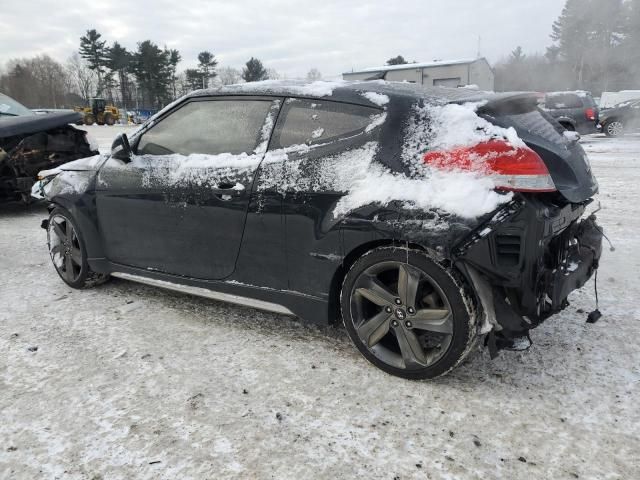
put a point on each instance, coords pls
(207, 64)
(517, 56)
(254, 71)
(152, 70)
(193, 78)
(119, 61)
(174, 59)
(94, 51)
(399, 60)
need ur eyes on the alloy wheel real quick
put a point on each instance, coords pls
(65, 248)
(401, 315)
(615, 128)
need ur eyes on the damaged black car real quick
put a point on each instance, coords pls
(428, 220)
(30, 143)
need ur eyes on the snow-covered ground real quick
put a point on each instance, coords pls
(128, 381)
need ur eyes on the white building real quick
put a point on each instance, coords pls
(439, 73)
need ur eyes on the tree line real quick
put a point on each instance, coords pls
(595, 46)
(145, 78)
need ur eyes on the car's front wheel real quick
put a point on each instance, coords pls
(68, 252)
(406, 314)
(613, 128)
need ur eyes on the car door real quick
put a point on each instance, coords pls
(318, 147)
(179, 206)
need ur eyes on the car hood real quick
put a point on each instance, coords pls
(88, 164)
(24, 125)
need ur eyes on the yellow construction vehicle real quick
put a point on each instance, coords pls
(99, 112)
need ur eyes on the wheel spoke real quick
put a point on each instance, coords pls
(408, 282)
(69, 231)
(376, 292)
(57, 249)
(68, 268)
(76, 256)
(433, 320)
(374, 329)
(59, 232)
(412, 352)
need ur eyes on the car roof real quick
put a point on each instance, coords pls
(350, 91)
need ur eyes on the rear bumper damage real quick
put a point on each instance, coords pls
(526, 260)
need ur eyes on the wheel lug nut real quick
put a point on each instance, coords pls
(388, 309)
(411, 310)
(408, 324)
(394, 323)
(398, 301)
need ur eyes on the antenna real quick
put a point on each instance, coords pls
(479, 45)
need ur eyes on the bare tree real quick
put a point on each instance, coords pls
(272, 74)
(313, 75)
(82, 78)
(229, 75)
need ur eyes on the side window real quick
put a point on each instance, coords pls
(316, 121)
(209, 127)
(563, 100)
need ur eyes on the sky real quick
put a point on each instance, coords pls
(290, 37)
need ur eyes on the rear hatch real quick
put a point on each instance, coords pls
(563, 155)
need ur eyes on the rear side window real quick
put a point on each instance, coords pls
(538, 123)
(208, 127)
(314, 121)
(563, 100)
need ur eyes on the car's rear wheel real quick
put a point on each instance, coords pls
(406, 314)
(68, 252)
(613, 128)
(89, 119)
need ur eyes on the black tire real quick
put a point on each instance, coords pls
(440, 304)
(109, 119)
(89, 119)
(68, 252)
(613, 128)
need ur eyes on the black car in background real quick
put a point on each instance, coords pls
(30, 143)
(343, 201)
(575, 111)
(620, 119)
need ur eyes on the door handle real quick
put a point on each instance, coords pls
(228, 190)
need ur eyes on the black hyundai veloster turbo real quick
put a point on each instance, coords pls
(427, 219)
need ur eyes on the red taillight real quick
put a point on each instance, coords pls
(519, 169)
(590, 113)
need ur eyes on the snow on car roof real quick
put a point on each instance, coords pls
(351, 91)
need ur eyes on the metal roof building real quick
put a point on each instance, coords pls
(439, 73)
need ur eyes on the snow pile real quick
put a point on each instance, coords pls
(438, 127)
(377, 98)
(337, 173)
(455, 125)
(459, 193)
(319, 88)
(194, 169)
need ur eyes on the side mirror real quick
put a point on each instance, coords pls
(121, 149)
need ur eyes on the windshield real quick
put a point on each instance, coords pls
(9, 107)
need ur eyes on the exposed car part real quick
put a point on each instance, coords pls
(31, 143)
